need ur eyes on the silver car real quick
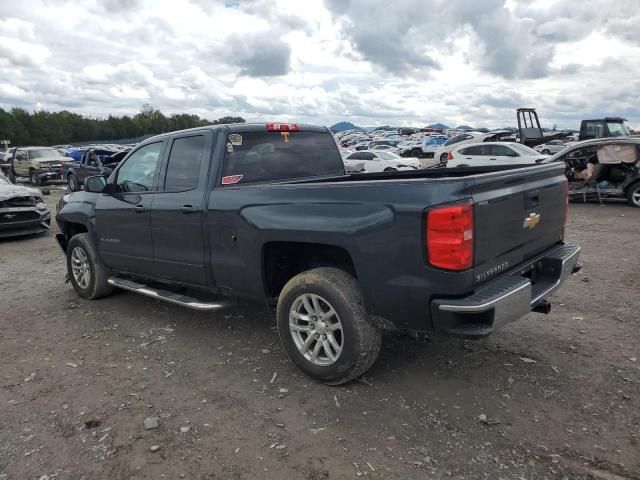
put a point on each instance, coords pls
(551, 147)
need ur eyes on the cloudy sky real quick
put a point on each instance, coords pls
(372, 62)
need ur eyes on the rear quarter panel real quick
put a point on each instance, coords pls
(380, 224)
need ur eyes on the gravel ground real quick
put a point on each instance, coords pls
(554, 396)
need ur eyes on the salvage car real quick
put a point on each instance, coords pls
(40, 164)
(267, 213)
(553, 146)
(379, 161)
(22, 210)
(95, 161)
(492, 153)
(603, 168)
(442, 153)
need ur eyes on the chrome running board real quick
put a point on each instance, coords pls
(168, 296)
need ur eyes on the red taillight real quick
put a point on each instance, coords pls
(283, 127)
(449, 156)
(566, 201)
(450, 237)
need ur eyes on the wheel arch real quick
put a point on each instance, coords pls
(282, 260)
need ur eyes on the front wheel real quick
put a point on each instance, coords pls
(88, 276)
(324, 326)
(389, 169)
(546, 152)
(633, 195)
(34, 178)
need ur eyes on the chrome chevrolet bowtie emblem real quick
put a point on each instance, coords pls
(531, 221)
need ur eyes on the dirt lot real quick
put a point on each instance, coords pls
(561, 393)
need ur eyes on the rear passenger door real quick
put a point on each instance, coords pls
(178, 209)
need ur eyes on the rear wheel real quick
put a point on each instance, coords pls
(546, 152)
(443, 158)
(633, 195)
(73, 183)
(416, 152)
(389, 169)
(88, 276)
(324, 326)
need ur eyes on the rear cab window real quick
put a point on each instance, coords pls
(260, 156)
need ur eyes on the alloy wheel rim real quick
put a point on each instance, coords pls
(316, 329)
(72, 182)
(635, 196)
(80, 267)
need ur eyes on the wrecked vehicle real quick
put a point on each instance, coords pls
(603, 168)
(266, 212)
(95, 161)
(22, 210)
(40, 164)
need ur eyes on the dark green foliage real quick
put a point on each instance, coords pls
(59, 128)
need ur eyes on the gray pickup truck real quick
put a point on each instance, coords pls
(267, 213)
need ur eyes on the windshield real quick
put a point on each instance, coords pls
(387, 155)
(617, 129)
(524, 150)
(44, 153)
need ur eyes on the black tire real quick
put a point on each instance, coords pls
(12, 177)
(361, 340)
(633, 195)
(34, 178)
(416, 152)
(444, 158)
(546, 152)
(98, 274)
(389, 169)
(72, 181)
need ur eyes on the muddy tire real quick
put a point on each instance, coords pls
(88, 276)
(633, 195)
(324, 326)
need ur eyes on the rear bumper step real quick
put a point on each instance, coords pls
(168, 296)
(507, 298)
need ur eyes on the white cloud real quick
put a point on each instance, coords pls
(412, 62)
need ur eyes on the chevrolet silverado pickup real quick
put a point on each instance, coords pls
(266, 212)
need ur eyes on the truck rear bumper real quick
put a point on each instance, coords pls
(508, 298)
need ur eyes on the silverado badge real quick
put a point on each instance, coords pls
(531, 221)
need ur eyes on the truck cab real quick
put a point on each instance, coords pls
(603, 127)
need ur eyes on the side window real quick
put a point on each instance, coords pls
(356, 156)
(477, 150)
(503, 151)
(185, 160)
(137, 173)
(368, 156)
(21, 155)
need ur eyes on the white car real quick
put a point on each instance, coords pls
(552, 146)
(442, 153)
(492, 153)
(369, 161)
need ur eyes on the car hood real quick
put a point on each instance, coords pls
(12, 191)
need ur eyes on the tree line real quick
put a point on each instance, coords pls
(21, 127)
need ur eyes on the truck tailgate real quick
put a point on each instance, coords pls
(518, 214)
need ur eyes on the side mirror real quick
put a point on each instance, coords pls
(95, 184)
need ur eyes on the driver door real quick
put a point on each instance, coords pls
(123, 218)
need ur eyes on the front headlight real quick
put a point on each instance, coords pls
(40, 205)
